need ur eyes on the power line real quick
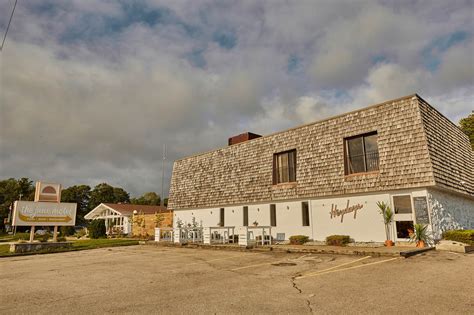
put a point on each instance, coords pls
(8, 26)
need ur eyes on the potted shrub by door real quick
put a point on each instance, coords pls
(387, 215)
(420, 235)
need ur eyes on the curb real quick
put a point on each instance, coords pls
(277, 249)
(414, 252)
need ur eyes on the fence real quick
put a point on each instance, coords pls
(247, 235)
(222, 235)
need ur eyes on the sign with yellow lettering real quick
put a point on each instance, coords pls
(29, 213)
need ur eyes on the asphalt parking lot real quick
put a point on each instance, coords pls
(152, 279)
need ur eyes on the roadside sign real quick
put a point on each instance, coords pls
(30, 213)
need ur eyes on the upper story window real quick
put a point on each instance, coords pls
(284, 167)
(361, 153)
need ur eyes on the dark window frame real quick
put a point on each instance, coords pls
(347, 168)
(222, 217)
(246, 216)
(273, 219)
(399, 198)
(291, 169)
(305, 213)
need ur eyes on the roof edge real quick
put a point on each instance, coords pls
(308, 124)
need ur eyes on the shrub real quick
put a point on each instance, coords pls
(463, 236)
(97, 228)
(43, 238)
(61, 239)
(22, 236)
(338, 240)
(81, 233)
(298, 239)
(67, 230)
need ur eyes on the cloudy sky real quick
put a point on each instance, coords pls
(91, 90)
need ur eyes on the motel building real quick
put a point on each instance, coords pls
(326, 177)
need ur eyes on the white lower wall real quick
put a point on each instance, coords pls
(365, 227)
(450, 212)
(446, 211)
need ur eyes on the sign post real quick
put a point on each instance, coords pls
(32, 234)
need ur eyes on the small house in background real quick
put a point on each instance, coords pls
(130, 219)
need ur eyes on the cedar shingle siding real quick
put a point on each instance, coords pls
(450, 150)
(242, 173)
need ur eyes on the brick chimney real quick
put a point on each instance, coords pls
(243, 137)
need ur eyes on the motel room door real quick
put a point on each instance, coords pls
(403, 216)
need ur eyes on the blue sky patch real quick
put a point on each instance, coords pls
(92, 25)
(431, 53)
(196, 58)
(379, 59)
(225, 39)
(293, 64)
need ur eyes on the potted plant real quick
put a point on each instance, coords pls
(420, 235)
(387, 215)
(255, 223)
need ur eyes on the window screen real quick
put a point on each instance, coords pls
(362, 154)
(284, 167)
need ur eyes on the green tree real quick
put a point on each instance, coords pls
(12, 190)
(149, 198)
(79, 194)
(467, 125)
(104, 193)
(121, 195)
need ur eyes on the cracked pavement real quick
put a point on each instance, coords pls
(154, 279)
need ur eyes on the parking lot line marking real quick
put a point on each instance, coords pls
(256, 265)
(198, 263)
(348, 268)
(206, 261)
(334, 267)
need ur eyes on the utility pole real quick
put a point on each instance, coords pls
(162, 197)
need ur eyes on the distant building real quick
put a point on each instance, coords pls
(326, 177)
(130, 219)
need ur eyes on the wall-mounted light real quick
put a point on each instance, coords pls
(288, 207)
(211, 212)
(232, 210)
(258, 209)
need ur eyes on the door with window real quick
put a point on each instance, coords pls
(403, 216)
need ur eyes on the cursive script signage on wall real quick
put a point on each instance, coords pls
(335, 212)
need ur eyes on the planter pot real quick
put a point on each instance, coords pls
(420, 244)
(389, 243)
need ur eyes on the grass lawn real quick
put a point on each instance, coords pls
(4, 250)
(16, 237)
(76, 245)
